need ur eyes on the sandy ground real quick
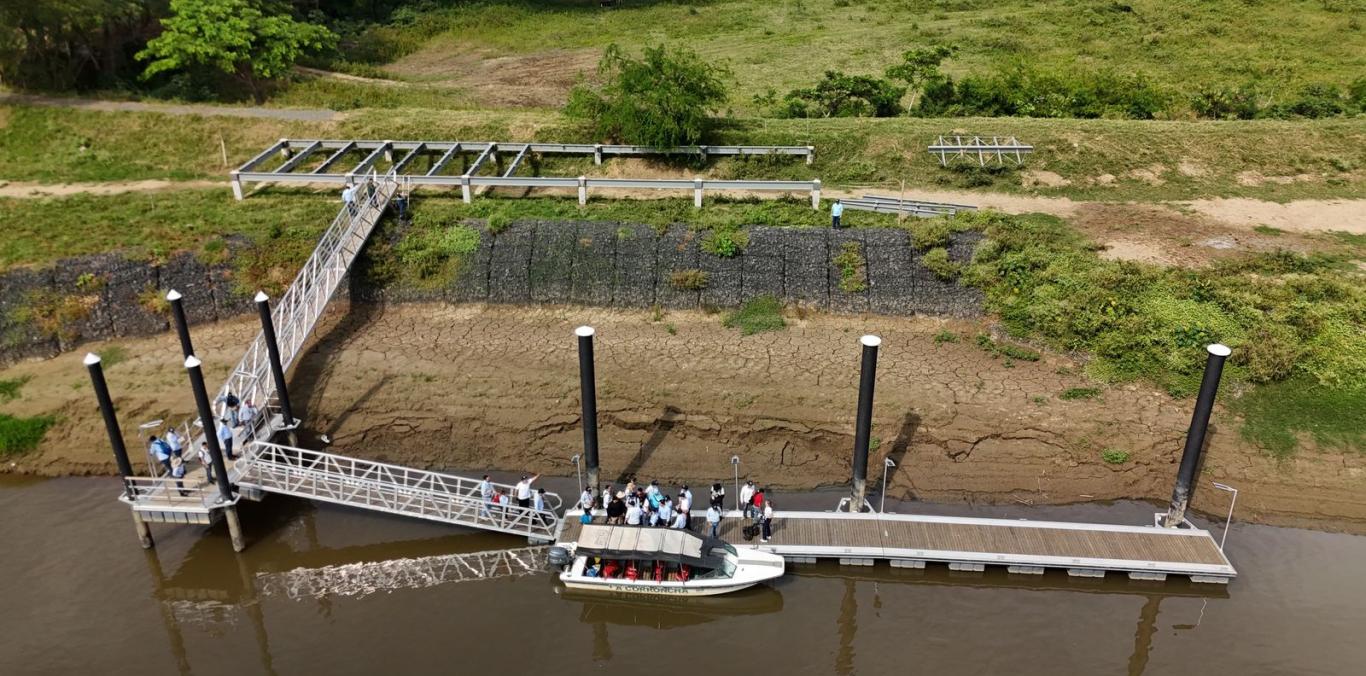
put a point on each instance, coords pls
(471, 387)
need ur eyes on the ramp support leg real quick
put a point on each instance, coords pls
(234, 528)
(144, 531)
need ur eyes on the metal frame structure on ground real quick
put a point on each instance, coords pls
(296, 154)
(949, 148)
(892, 205)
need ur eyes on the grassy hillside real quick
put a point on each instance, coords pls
(1113, 160)
(782, 44)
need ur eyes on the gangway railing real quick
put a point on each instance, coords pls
(296, 313)
(368, 577)
(383, 487)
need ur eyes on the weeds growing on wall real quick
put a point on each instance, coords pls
(759, 314)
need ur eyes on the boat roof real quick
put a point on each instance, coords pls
(647, 544)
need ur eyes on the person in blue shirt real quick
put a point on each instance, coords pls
(836, 210)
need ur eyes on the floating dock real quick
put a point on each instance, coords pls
(972, 544)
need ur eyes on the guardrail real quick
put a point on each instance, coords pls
(390, 488)
(169, 494)
(891, 205)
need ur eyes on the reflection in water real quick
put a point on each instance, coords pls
(848, 628)
(1143, 636)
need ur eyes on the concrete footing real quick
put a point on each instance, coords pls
(1140, 575)
(969, 567)
(855, 561)
(1025, 570)
(1209, 579)
(907, 563)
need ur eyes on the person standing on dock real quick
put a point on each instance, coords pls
(718, 496)
(175, 442)
(349, 199)
(616, 509)
(178, 473)
(685, 502)
(681, 520)
(634, 514)
(248, 414)
(767, 521)
(206, 460)
(836, 211)
(161, 451)
(747, 497)
(714, 519)
(586, 500)
(485, 495)
(524, 490)
(225, 438)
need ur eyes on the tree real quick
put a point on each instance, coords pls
(841, 95)
(232, 36)
(919, 68)
(666, 98)
(59, 44)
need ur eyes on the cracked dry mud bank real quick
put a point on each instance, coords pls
(473, 387)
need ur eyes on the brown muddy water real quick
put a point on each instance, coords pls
(78, 595)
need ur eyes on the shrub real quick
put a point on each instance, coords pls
(937, 261)
(688, 280)
(945, 336)
(433, 255)
(1225, 103)
(841, 95)
(1114, 456)
(664, 99)
(725, 243)
(1026, 91)
(763, 313)
(20, 435)
(853, 268)
(1317, 100)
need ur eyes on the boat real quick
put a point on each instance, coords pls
(660, 562)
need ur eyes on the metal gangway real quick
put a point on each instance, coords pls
(369, 577)
(394, 489)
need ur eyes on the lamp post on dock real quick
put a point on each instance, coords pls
(887, 465)
(1228, 520)
(578, 471)
(588, 396)
(735, 462)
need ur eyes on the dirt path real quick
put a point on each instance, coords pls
(294, 114)
(469, 386)
(21, 189)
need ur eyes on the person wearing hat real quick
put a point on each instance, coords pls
(616, 507)
(747, 497)
(524, 490)
(178, 473)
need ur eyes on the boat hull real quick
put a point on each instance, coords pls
(650, 588)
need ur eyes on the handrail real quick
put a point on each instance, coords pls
(163, 492)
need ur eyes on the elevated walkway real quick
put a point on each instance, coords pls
(382, 487)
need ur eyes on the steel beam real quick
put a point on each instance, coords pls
(445, 159)
(370, 160)
(298, 158)
(264, 155)
(350, 145)
(407, 159)
(516, 161)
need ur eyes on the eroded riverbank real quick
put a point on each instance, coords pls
(444, 386)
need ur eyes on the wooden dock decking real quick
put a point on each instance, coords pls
(908, 540)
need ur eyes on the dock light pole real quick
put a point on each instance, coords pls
(1228, 520)
(578, 471)
(182, 326)
(277, 369)
(887, 466)
(864, 424)
(220, 469)
(588, 396)
(111, 426)
(735, 462)
(1195, 437)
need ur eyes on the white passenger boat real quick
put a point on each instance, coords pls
(660, 561)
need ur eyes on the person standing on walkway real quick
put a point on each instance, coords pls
(714, 520)
(248, 414)
(205, 459)
(175, 442)
(485, 495)
(718, 496)
(225, 438)
(524, 490)
(349, 199)
(178, 473)
(160, 451)
(768, 521)
(747, 497)
(233, 403)
(586, 500)
(836, 210)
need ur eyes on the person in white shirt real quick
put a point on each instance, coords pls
(633, 514)
(688, 492)
(746, 496)
(485, 495)
(225, 438)
(768, 520)
(524, 490)
(718, 496)
(205, 459)
(586, 500)
(684, 503)
(173, 440)
(714, 519)
(666, 512)
(652, 489)
(248, 414)
(681, 521)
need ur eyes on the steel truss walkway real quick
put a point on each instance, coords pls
(264, 467)
(390, 488)
(369, 577)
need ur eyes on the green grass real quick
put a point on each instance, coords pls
(763, 313)
(53, 145)
(945, 336)
(1276, 415)
(9, 388)
(114, 354)
(1074, 393)
(1113, 456)
(20, 435)
(1011, 351)
(782, 44)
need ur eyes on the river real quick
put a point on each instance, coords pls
(79, 595)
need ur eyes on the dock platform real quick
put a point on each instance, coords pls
(1022, 546)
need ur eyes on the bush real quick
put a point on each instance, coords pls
(853, 268)
(841, 95)
(1225, 103)
(1026, 91)
(1075, 393)
(1114, 456)
(20, 435)
(433, 255)
(763, 313)
(937, 261)
(688, 280)
(664, 99)
(725, 243)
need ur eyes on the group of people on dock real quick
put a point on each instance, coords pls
(167, 452)
(651, 506)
